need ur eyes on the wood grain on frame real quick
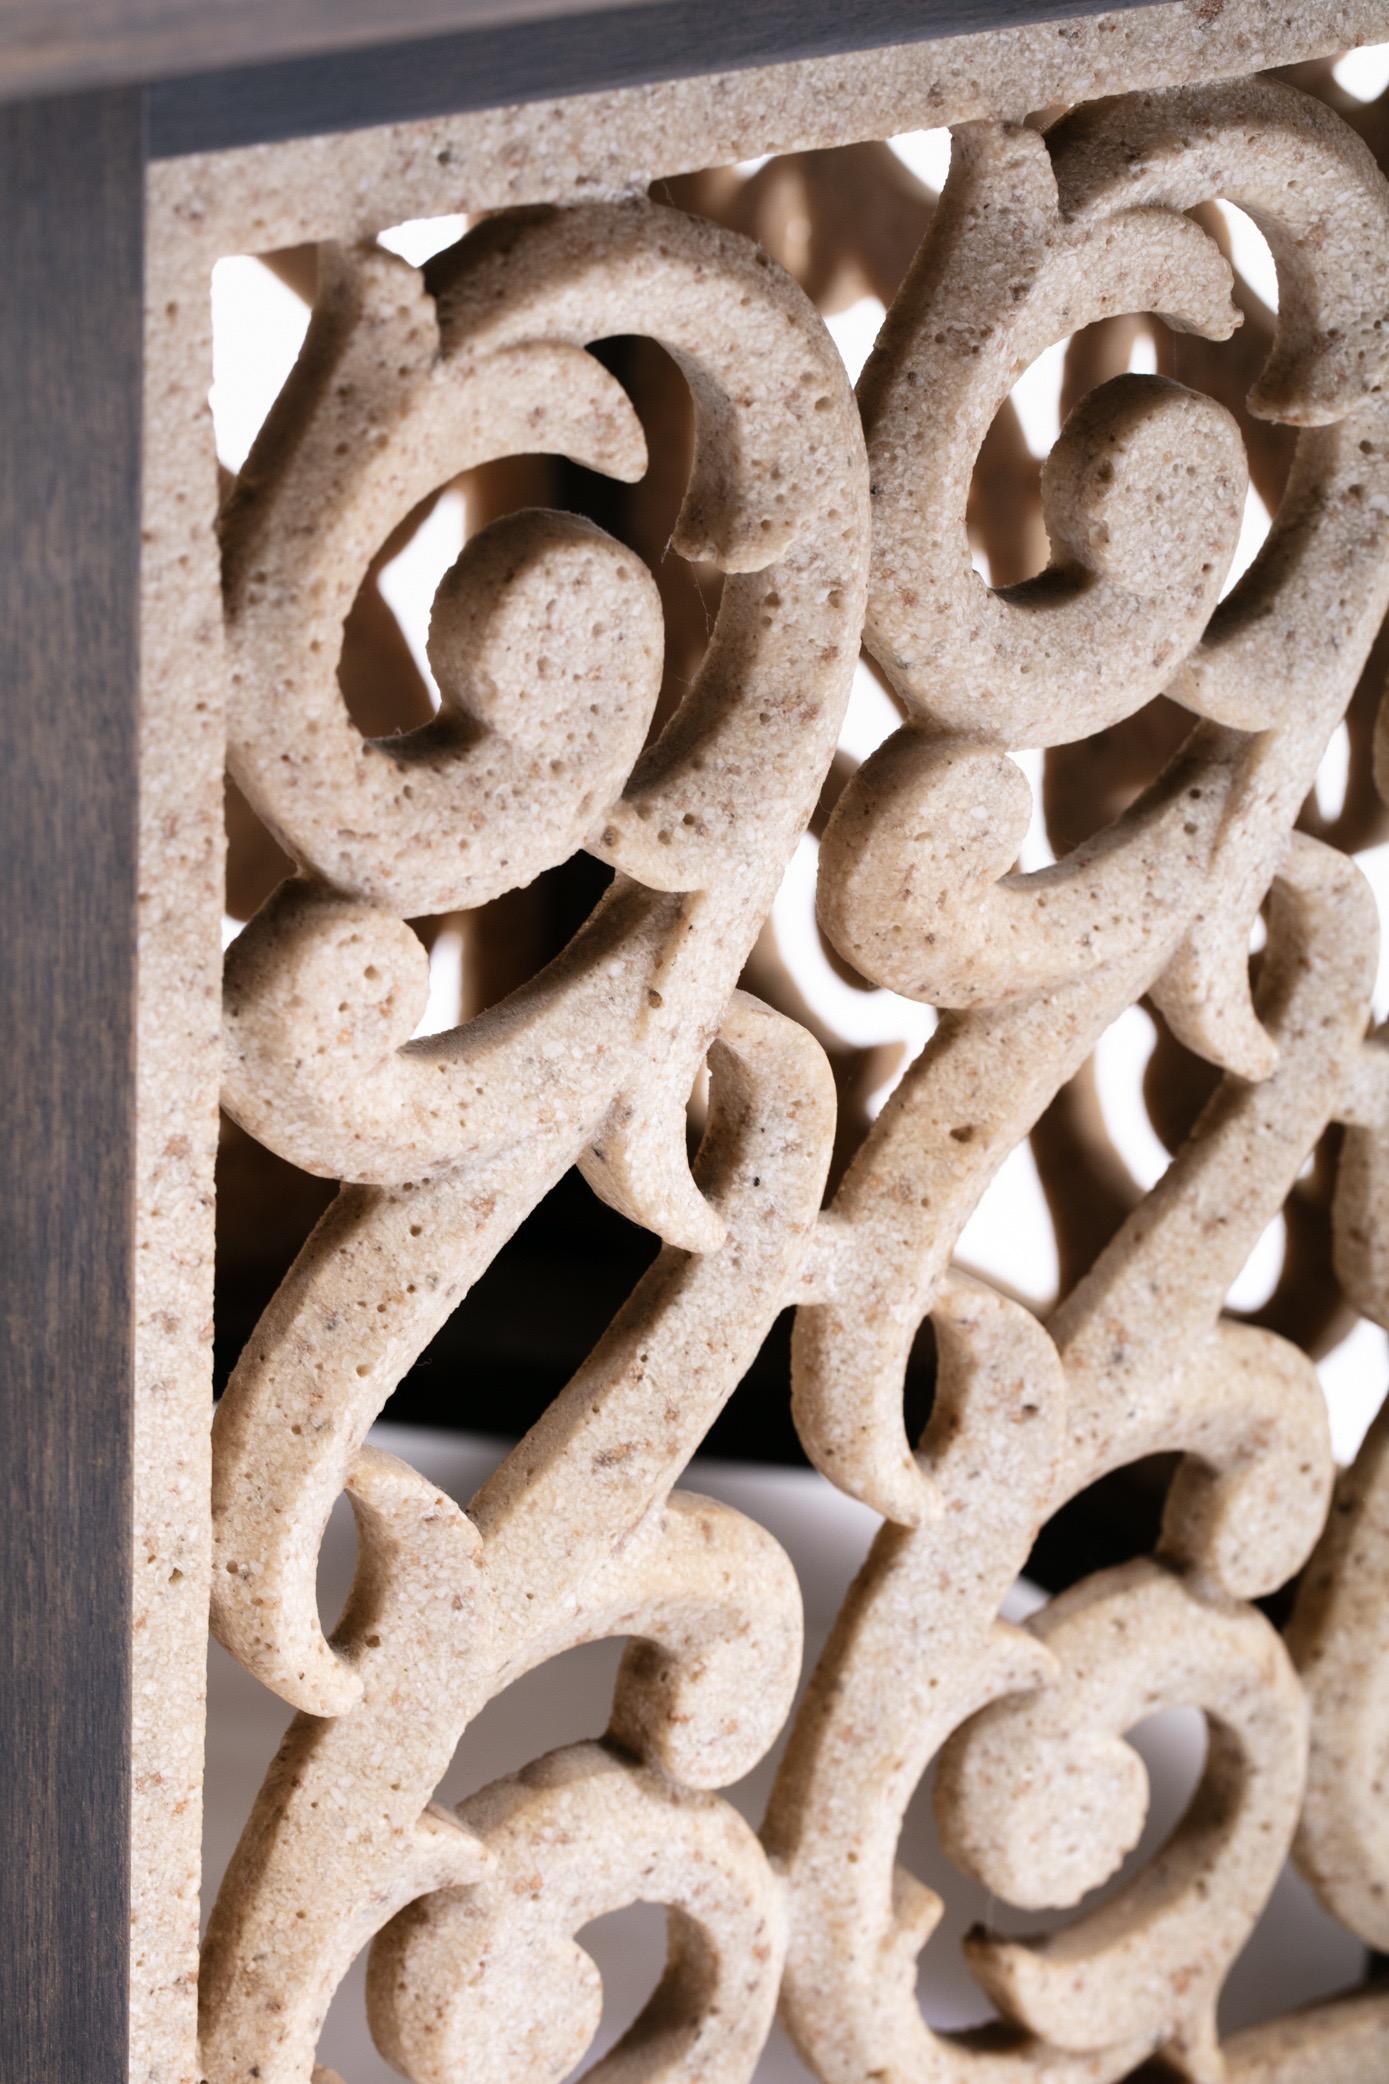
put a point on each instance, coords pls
(71, 230)
(50, 44)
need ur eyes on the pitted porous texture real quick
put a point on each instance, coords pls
(546, 634)
(831, 521)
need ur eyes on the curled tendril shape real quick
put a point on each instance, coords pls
(709, 1600)
(916, 886)
(546, 643)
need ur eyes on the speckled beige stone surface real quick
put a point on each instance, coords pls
(546, 639)
(180, 894)
(349, 186)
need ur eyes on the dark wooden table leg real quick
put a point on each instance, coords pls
(71, 237)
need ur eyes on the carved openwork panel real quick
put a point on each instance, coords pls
(691, 549)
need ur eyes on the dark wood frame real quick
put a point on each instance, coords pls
(71, 330)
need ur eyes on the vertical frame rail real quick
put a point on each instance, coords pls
(71, 239)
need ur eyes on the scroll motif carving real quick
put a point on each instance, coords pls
(829, 524)
(547, 640)
(1048, 960)
(1338, 1629)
